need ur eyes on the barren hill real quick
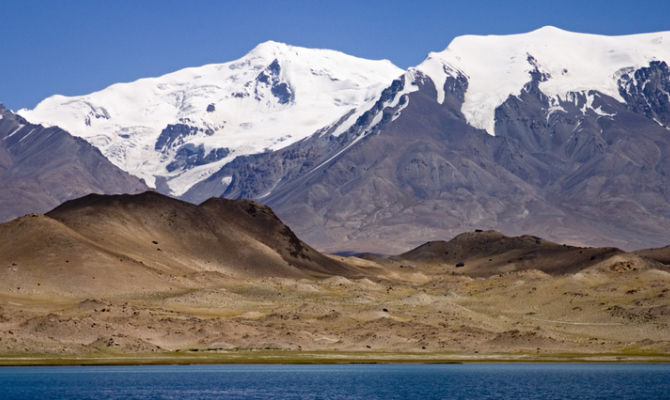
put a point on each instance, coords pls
(147, 243)
(490, 252)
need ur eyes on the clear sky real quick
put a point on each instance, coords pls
(76, 47)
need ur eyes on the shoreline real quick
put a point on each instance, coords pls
(321, 357)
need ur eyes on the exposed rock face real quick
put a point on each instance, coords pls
(270, 77)
(586, 169)
(174, 135)
(647, 91)
(42, 167)
(190, 155)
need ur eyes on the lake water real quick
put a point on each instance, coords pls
(466, 381)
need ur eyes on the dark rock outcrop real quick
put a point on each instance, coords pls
(282, 91)
(189, 156)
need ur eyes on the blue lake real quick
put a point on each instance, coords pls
(466, 381)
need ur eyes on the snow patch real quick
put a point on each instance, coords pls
(18, 128)
(598, 110)
(26, 135)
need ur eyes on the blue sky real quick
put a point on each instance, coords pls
(76, 47)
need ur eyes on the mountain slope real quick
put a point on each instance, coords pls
(661, 254)
(177, 129)
(42, 167)
(571, 160)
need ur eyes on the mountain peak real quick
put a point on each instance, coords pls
(549, 29)
(497, 66)
(179, 128)
(269, 48)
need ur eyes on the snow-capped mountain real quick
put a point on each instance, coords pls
(554, 133)
(497, 67)
(177, 129)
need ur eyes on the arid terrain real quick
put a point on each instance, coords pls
(147, 278)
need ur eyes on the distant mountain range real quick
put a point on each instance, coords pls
(554, 133)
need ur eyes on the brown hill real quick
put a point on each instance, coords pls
(490, 252)
(123, 244)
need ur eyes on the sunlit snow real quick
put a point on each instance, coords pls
(497, 66)
(246, 117)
